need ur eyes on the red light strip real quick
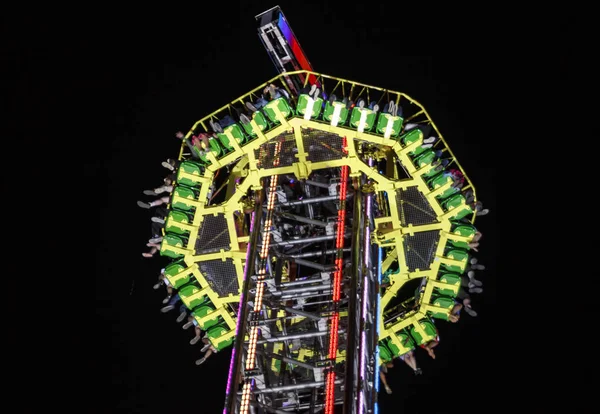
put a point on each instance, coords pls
(337, 279)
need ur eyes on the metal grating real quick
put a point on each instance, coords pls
(420, 249)
(221, 276)
(213, 235)
(413, 207)
(265, 154)
(321, 146)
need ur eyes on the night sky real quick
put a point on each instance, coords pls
(138, 80)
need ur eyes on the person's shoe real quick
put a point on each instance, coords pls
(200, 361)
(147, 255)
(156, 286)
(474, 260)
(251, 107)
(205, 348)
(167, 166)
(167, 308)
(471, 274)
(470, 311)
(215, 126)
(194, 340)
(475, 290)
(244, 119)
(418, 371)
(410, 126)
(478, 267)
(181, 317)
(389, 108)
(429, 140)
(166, 300)
(155, 240)
(149, 192)
(483, 212)
(143, 205)
(158, 220)
(187, 325)
(476, 282)
(388, 389)
(426, 146)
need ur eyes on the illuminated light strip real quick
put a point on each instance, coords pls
(266, 240)
(378, 312)
(286, 30)
(237, 325)
(333, 331)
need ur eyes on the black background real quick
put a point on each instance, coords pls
(105, 91)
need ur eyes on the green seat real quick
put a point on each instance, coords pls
(411, 136)
(363, 119)
(236, 132)
(172, 270)
(336, 107)
(462, 229)
(215, 147)
(452, 279)
(430, 332)
(176, 216)
(457, 254)
(433, 172)
(203, 310)
(442, 302)
(191, 295)
(438, 181)
(388, 125)
(282, 105)
(189, 167)
(175, 241)
(215, 333)
(455, 201)
(184, 192)
(305, 103)
(385, 355)
(425, 158)
(261, 122)
(406, 344)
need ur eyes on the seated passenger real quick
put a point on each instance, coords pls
(410, 360)
(188, 141)
(383, 369)
(158, 223)
(171, 164)
(217, 126)
(157, 202)
(372, 106)
(392, 109)
(259, 103)
(183, 310)
(166, 188)
(276, 93)
(154, 248)
(475, 206)
(313, 91)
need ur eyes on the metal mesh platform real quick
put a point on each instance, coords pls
(213, 235)
(413, 207)
(322, 146)
(420, 249)
(265, 154)
(221, 276)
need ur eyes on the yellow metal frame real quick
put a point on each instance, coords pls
(389, 231)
